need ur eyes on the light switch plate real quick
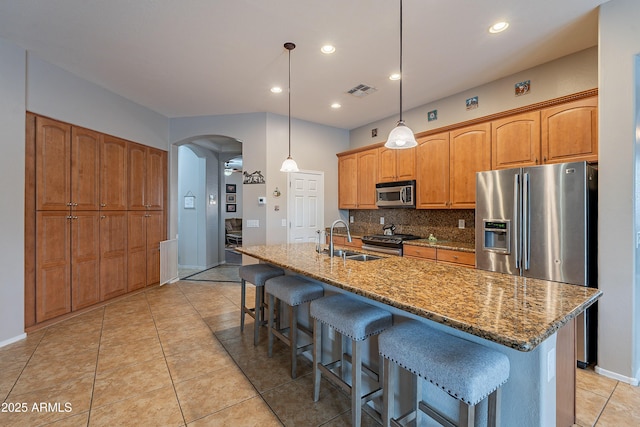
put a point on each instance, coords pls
(382, 220)
(461, 223)
(284, 222)
(253, 223)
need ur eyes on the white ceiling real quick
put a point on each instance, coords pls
(209, 57)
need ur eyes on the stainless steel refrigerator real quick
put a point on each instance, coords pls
(541, 222)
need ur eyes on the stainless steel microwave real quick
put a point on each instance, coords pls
(401, 194)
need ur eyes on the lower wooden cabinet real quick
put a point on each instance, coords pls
(355, 242)
(113, 254)
(146, 231)
(53, 264)
(447, 256)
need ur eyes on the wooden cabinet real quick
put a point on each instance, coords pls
(420, 252)
(355, 242)
(85, 259)
(515, 141)
(146, 231)
(77, 228)
(446, 256)
(469, 152)
(53, 165)
(147, 168)
(357, 178)
(113, 174)
(113, 254)
(432, 172)
(367, 178)
(570, 132)
(53, 264)
(446, 166)
(348, 181)
(396, 165)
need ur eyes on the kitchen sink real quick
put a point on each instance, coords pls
(341, 252)
(363, 257)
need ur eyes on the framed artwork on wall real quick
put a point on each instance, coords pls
(231, 188)
(231, 207)
(231, 198)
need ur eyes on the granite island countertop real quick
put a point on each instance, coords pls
(513, 311)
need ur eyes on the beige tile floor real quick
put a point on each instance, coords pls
(174, 356)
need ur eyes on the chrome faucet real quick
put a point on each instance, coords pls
(331, 235)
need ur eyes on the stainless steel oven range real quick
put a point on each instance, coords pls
(388, 244)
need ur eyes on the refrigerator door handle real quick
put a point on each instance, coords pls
(516, 214)
(526, 223)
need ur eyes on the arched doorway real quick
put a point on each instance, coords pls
(201, 200)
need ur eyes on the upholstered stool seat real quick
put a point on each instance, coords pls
(257, 274)
(467, 371)
(293, 291)
(358, 321)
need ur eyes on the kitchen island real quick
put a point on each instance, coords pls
(518, 316)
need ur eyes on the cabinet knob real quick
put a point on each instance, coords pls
(74, 217)
(103, 216)
(69, 217)
(103, 205)
(74, 204)
(69, 204)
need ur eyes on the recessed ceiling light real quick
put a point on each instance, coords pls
(498, 27)
(394, 76)
(335, 105)
(276, 89)
(327, 48)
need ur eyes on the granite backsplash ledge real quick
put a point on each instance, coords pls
(442, 223)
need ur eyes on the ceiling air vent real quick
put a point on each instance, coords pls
(361, 90)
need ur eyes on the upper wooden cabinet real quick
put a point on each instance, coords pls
(53, 165)
(348, 181)
(515, 141)
(357, 177)
(67, 166)
(570, 131)
(147, 169)
(367, 178)
(432, 171)
(113, 174)
(396, 165)
(469, 152)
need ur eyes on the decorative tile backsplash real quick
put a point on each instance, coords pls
(442, 223)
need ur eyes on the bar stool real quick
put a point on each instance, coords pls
(257, 274)
(467, 371)
(293, 291)
(356, 320)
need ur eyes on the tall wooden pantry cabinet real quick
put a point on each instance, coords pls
(82, 189)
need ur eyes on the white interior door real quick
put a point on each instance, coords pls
(306, 206)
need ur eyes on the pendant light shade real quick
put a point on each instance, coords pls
(401, 136)
(289, 165)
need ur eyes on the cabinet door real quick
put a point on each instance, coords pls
(85, 259)
(155, 169)
(367, 178)
(137, 250)
(155, 234)
(113, 174)
(515, 141)
(113, 254)
(570, 132)
(387, 165)
(406, 164)
(396, 165)
(137, 155)
(53, 165)
(85, 169)
(432, 172)
(53, 264)
(470, 152)
(347, 182)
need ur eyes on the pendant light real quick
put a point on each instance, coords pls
(401, 136)
(289, 165)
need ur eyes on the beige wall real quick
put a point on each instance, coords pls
(564, 76)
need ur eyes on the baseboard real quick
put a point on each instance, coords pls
(613, 375)
(12, 340)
